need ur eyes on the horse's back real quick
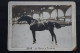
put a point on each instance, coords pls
(38, 26)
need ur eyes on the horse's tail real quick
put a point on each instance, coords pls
(57, 25)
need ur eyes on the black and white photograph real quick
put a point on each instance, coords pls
(41, 26)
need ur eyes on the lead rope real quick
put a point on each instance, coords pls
(32, 22)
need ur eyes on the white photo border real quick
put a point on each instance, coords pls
(41, 3)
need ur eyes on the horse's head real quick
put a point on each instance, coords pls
(25, 18)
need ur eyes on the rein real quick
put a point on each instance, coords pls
(32, 22)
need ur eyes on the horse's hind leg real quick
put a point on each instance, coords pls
(55, 38)
(53, 34)
(34, 39)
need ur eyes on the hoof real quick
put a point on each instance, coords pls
(34, 42)
(56, 43)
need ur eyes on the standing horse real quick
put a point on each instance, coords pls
(39, 26)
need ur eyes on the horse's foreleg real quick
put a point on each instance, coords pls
(34, 39)
(53, 34)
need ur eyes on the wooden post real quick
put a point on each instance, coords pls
(64, 16)
(57, 13)
(39, 17)
(50, 15)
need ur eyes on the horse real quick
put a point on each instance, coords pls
(36, 25)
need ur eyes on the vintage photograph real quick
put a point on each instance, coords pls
(41, 26)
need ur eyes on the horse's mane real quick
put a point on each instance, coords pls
(27, 17)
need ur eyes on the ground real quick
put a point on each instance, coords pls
(22, 38)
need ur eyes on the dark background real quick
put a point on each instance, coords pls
(4, 26)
